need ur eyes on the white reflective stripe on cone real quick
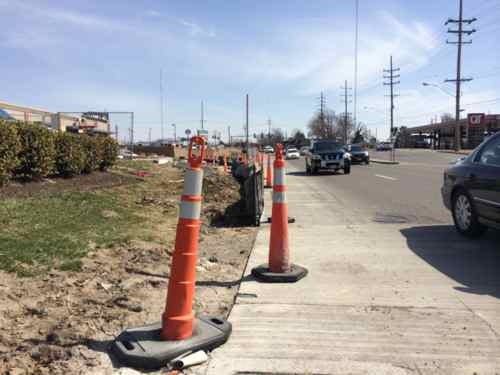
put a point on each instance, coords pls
(193, 180)
(279, 197)
(279, 176)
(190, 210)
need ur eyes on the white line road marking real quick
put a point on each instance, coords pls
(386, 177)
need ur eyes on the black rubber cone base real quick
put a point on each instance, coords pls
(268, 187)
(291, 220)
(263, 273)
(143, 348)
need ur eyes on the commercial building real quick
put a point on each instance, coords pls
(441, 135)
(85, 122)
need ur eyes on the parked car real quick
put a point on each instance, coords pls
(358, 154)
(292, 153)
(384, 146)
(327, 154)
(268, 149)
(126, 154)
(471, 189)
(303, 150)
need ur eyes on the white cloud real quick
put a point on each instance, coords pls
(318, 56)
(197, 30)
(64, 15)
(152, 13)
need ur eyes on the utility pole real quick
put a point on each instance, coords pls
(356, 39)
(175, 132)
(149, 136)
(132, 131)
(229, 135)
(458, 80)
(391, 77)
(161, 104)
(346, 101)
(116, 132)
(202, 115)
(246, 127)
(269, 130)
(322, 102)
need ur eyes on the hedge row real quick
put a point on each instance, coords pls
(33, 152)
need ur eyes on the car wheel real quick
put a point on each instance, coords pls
(367, 161)
(347, 167)
(465, 216)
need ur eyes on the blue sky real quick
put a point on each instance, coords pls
(96, 55)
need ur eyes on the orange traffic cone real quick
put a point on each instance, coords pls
(153, 346)
(269, 174)
(279, 268)
(225, 163)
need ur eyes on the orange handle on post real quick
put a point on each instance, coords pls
(196, 162)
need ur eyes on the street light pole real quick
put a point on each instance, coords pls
(175, 133)
(439, 87)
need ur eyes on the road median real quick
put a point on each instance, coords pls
(378, 161)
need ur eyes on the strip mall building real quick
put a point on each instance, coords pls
(96, 122)
(442, 135)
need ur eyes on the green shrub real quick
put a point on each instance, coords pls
(109, 149)
(70, 154)
(93, 154)
(9, 148)
(37, 152)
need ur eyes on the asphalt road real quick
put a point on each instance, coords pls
(404, 193)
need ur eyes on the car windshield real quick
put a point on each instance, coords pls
(292, 150)
(356, 148)
(328, 146)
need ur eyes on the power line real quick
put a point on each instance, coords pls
(460, 32)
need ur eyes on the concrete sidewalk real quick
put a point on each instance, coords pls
(379, 299)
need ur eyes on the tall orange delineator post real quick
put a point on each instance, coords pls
(269, 174)
(279, 268)
(179, 332)
(225, 163)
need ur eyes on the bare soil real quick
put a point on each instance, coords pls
(86, 182)
(63, 322)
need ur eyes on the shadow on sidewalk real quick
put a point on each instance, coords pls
(474, 263)
(224, 284)
(319, 173)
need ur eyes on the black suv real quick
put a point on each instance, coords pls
(327, 154)
(358, 154)
(471, 189)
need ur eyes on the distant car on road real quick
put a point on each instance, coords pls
(384, 146)
(126, 154)
(268, 149)
(303, 150)
(471, 189)
(358, 154)
(292, 153)
(327, 154)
